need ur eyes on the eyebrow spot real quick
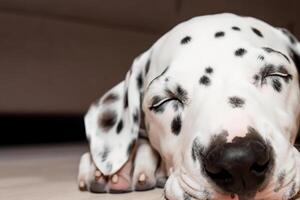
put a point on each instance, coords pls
(257, 32)
(219, 34)
(185, 40)
(181, 93)
(204, 80)
(261, 57)
(236, 102)
(240, 52)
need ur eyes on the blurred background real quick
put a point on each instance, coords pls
(56, 57)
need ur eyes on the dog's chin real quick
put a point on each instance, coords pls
(180, 186)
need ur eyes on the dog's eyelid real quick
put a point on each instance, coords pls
(161, 102)
(279, 74)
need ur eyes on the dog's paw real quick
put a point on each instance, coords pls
(138, 173)
(89, 178)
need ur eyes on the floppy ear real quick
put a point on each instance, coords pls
(113, 124)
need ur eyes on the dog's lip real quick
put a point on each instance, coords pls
(191, 187)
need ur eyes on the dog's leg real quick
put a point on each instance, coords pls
(161, 175)
(89, 178)
(145, 165)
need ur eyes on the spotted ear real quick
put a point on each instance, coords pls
(113, 123)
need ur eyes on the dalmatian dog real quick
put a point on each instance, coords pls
(210, 111)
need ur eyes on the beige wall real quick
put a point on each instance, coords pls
(58, 56)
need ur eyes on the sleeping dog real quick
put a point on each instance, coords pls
(210, 111)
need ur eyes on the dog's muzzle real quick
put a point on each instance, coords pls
(241, 166)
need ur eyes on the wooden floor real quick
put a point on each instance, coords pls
(49, 172)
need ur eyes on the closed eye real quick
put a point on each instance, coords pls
(158, 104)
(279, 74)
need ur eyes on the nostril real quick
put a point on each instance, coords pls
(259, 169)
(221, 176)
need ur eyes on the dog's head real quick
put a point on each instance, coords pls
(222, 112)
(225, 117)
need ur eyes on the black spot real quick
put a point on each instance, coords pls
(109, 166)
(236, 102)
(204, 80)
(107, 120)
(176, 105)
(280, 181)
(261, 57)
(139, 81)
(219, 34)
(119, 126)
(181, 93)
(257, 32)
(104, 154)
(256, 78)
(110, 98)
(197, 149)
(131, 146)
(240, 52)
(276, 84)
(209, 70)
(147, 66)
(126, 99)
(270, 50)
(186, 40)
(235, 28)
(176, 125)
(291, 37)
(136, 116)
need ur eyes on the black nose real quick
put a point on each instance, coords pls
(239, 167)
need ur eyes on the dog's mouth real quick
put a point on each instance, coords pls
(271, 191)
